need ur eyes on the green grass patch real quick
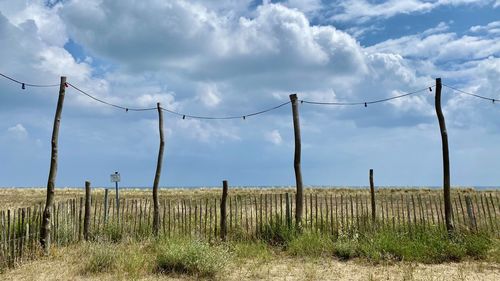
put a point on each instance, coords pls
(277, 234)
(256, 250)
(422, 245)
(311, 244)
(100, 257)
(193, 257)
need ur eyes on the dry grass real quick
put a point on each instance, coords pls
(25, 197)
(67, 264)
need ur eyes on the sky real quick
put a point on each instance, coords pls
(234, 57)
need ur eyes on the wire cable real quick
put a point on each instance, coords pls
(366, 103)
(184, 116)
(493, 100)
(24, 84)
(108, 103)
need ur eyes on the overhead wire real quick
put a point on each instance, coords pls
(184, 116)
(24, 84)
(366, 103)
(243, 116)
(108, 103)
(493, 100)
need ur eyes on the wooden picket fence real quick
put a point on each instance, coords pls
(342, 213)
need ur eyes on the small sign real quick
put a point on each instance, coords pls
(115, 177)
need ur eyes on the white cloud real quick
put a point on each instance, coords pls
(440, 47)
(209, 94)
(492, 28)
(18, 131)
(274, 137)
(363, 10)
(306, 6)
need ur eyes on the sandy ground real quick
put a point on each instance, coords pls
(65, 265)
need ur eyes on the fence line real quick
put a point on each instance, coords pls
(248, 216)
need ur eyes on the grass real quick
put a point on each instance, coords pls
(195, 258)
(135, 255)
(101, 258)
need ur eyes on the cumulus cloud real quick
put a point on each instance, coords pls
(274, 137)
(439, 47)
(209, 94)
(492, 28)
(18, 131)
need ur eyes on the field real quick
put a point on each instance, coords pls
(339, 239)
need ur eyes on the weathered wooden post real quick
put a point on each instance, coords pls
(296, 160)
(45, 227)
(223, 216)
(156, 205)
(288, 210)
(470, 213)
(116, 179)
(106, 206)
(372, 195)
(446, 158)
(86, 218)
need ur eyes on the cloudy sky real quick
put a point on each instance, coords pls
(234, 57)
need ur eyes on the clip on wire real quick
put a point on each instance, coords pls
(23, 86)
(366, 105)
(183, 117)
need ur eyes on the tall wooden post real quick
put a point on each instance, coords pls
(117, 199)
(86, 218)
(372, 195)
(296, 160)
(223, 216)
(156, 205)
(446, 158)
(49, 201)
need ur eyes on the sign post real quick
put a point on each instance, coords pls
(116, 179)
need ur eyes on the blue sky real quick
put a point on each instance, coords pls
(233, 57)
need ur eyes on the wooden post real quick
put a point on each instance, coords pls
(296, 160)
(288, 210)
(45, 227)
(446, 158)
(156, 206)
(372, 193)
(470, 213)
(105, 206)
(86, 219)
(223, 216)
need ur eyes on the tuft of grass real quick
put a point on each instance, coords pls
(277, 234)
(101, 258)
(190, 257)
(112, 232)
(346, 250)
(256, 250)
(311, 244)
